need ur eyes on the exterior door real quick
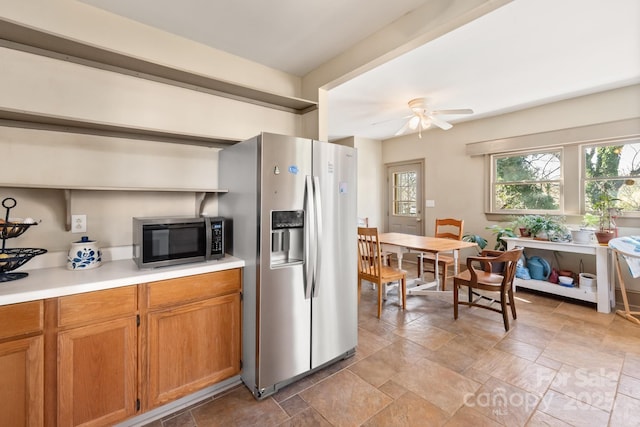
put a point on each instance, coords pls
(404, 198)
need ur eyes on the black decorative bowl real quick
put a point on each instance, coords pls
(10, 259)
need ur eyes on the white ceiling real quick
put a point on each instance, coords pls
(523, 54)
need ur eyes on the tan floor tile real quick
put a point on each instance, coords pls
(427, 336)
(586, 313)
(540, 419)
(345, 400)
(504, 403)
(595, 387)
(392, 389)
(306, 418)
(629, 344)
(520, 349)
(629, 386)
(381, 366)
(460, 352)
(451, 390)
(549, 363)
(624, 327)
(239, 408)
(572, 411)
(294, 405)
(516, 371)
(531, 335)
(370, 342)
(626, 412)
(408, 411)
(182, 420)
(631, 365)
(550, 321)
(466, 417)
(581, 356)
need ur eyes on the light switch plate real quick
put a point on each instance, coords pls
(430, 203)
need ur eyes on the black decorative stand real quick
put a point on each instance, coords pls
(10, 259)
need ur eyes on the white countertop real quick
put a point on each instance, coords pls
(58, 281)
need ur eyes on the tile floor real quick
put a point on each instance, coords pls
(561, 364)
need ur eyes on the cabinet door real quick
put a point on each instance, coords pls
(97, 373)
(191, 347)
(22, 390)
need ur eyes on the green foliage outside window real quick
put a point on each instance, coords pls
(529, 181)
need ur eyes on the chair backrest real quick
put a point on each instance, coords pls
(369, 260)
(509, 260)
(449, 228)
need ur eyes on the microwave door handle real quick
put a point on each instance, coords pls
(309, 253)
(317, 265)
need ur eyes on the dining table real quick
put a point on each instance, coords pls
(401, 243)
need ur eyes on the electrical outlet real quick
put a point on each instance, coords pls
(78, 223)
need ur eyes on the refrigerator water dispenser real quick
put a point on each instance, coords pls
(287, 238)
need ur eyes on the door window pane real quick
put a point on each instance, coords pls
(404, 194)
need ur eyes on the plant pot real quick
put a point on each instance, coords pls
(604, 236)
(524, 232)
(581, 237)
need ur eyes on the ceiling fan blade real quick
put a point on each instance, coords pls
(456, 111)
(440, 123)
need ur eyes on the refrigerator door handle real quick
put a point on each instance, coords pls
(317, 265)
(309, 243)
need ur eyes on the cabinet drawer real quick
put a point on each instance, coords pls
(192, 288)
(95, 306)
(21, 319)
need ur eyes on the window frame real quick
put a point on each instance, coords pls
(493, 183)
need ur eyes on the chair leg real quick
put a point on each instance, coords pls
(455, 300)
(379, 300)
(359, 289)
(505, 313)
(444, 276)
(403, 290)
(512, 303)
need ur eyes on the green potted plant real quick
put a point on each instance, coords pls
(524, 223)
(501, 232)
(477, 239)
(604, 208)
(547, 227)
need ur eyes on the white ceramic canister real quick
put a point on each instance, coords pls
(84, 255)
(587, 281)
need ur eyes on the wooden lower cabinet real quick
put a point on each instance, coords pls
(192, 335)
(21, 364)
(97, 353)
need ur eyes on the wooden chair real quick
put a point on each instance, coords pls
(447, 228)
(370, 267)
(500, 282)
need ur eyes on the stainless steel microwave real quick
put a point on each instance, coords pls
(163, 241)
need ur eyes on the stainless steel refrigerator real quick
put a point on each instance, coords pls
(293, 205)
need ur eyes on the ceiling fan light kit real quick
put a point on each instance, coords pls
(423, 117)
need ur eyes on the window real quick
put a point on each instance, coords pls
(613, 169)
(527, 182)
(404, 193)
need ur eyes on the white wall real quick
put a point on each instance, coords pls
(50, 87)
(370, 181)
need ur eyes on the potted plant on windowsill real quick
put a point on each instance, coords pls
(605, 208)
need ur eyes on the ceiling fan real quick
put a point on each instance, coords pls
(423, 117)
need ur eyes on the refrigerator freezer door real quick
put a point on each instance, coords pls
(283, 312)
(334, 306)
